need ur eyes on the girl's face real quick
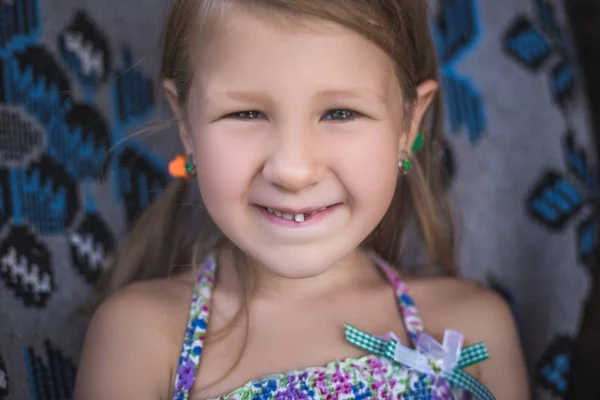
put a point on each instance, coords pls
(297, 130)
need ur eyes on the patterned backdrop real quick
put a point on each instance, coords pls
(78, 76)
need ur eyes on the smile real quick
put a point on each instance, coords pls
(289, 216)
(298, 217)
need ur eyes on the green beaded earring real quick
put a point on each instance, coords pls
(404, 164)
(190, 164)
(418, 144)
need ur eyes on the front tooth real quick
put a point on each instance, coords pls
(270, 210)
(288, 216)
(299, 217)
(313, 213)
(277, 213)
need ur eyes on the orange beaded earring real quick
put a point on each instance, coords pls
(182, 167)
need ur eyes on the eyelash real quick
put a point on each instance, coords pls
(350, 115)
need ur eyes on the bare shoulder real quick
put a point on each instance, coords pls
(465, 302)
(130, 343)
(483, 316)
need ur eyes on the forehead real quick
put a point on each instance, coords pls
(277, 52)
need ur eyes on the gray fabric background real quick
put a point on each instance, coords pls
(496, 168)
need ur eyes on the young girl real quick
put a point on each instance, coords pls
(311, 129)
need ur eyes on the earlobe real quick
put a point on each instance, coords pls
(173, 99)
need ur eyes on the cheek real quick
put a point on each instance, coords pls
(224, 170)
(371, 171)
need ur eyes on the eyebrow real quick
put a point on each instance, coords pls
(242, 96)
(252, 96)
(358, 93)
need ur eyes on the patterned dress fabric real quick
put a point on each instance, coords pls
(368, 377)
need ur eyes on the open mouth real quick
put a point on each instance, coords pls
(298, 217)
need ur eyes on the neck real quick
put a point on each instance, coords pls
(238, 272)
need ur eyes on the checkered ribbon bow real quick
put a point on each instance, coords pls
(447, 359)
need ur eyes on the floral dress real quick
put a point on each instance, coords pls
(374, 376)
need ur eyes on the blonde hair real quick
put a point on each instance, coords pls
(163, 237)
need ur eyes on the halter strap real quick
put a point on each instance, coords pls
(195, 332)
(412, 319)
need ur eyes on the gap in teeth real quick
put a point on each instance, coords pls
(296, 217)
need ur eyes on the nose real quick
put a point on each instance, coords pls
(294, 162)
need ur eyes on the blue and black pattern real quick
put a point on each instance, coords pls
(55, 147)
(34, 80)
(5, 197)
(82, 147)
(552, 370)
(463, 105)
(133, 96)
(85, 50)
(526, 44)
(91, 244)
(554, 200)
(21, 25)
(562, 82)
(48, 197)
(22, 140)
(587, 229)
(558, 198)
(544, 11)
(587, 240)
(578, 165)
(51, 378)
(140, 178)
(78, 136)
(457, 31)
(538, 45)
(25, 267)
(54, 143)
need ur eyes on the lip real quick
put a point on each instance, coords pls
(308, 219)
(305, 210)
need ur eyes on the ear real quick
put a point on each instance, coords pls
(184, 134)
(425, 93)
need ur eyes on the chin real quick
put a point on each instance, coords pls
(299, 262)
